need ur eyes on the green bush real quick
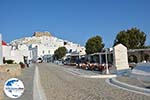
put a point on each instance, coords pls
(9, 61)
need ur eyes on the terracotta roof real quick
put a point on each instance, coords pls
(4, 43)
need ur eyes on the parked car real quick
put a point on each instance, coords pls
(39, 60)
(59, 62)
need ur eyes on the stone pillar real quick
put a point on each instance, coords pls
(120, 57)
(1, 56)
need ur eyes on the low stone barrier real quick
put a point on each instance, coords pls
(128, 87)
(12, 69)
(6, 72)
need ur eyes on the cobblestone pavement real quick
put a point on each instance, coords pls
(81, 71)
(27, 78)
(60, 85)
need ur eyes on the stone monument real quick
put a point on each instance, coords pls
(120, 57)
(1, 57)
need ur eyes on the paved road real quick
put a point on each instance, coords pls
(60, 85)
(80, 71)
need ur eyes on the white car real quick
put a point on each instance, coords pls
(39, 61)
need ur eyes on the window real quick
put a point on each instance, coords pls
(49, 51)
(65, 43)
(70, 51)
(43, 51)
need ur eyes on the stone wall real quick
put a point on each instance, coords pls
(39, 34)
(11, 69)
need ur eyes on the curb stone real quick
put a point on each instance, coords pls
(125, 86)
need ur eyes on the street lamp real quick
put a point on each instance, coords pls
(107, 69)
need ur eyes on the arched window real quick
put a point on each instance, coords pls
(146, 57)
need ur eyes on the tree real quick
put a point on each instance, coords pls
(60, 52)
(147, 46)
(94, 45)
(132, 38)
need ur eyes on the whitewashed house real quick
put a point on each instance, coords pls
(16, 53)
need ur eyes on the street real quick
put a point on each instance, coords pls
(61, 85)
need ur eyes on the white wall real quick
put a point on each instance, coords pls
(16, 54)
(1, 54)
(6, 51)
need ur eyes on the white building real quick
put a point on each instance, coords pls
(1, 54)
(38, 46)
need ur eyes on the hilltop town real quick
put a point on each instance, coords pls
(92, 50)
(40, 45)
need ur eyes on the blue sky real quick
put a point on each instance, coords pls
(74, 20)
